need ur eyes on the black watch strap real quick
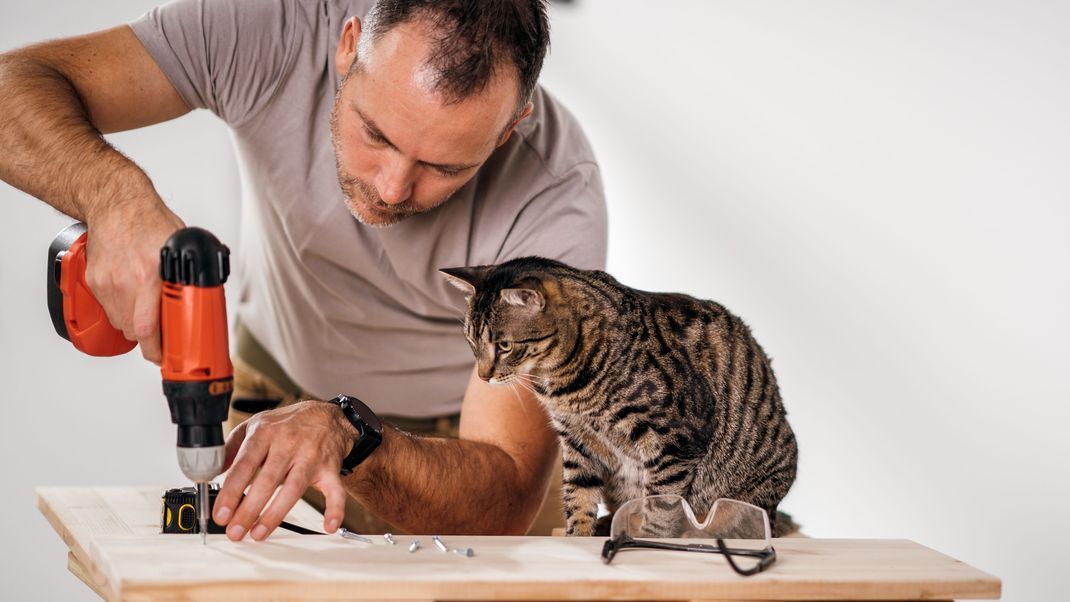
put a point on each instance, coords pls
(367, 424)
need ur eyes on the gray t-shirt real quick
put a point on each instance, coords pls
(345, 308)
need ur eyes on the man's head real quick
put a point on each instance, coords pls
(430, 88)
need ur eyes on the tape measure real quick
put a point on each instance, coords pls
(179, 513)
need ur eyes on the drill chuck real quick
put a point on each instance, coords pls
(200, 464)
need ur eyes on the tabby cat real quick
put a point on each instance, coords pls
(650, 393)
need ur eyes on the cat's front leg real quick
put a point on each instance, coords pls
(658, 514)
(581, 488)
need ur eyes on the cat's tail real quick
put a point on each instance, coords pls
(785, 525)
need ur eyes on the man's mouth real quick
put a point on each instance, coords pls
(366, 206)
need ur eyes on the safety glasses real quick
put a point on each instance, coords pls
(740, 531)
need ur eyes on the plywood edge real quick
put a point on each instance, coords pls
(539, 591)
(76, 569)
(79, 561)
(993, 583)
(44, 498)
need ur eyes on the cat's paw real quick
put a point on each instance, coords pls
(580, 531)
(579, 528)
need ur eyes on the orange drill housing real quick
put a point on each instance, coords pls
(194, 331)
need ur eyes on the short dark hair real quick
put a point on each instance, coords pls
(473, 39)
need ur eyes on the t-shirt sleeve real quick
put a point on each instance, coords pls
(227, 56)
(566, 222)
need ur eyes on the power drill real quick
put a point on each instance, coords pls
(196, 369)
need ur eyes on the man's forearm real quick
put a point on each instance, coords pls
(52, 150)
(438, 485)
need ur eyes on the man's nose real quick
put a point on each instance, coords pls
(394, 183)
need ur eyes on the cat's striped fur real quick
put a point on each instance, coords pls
(650, 393)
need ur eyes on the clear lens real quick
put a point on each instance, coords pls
(744, 528)
(652, 517)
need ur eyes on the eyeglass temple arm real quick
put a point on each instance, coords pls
(767, 556)
(691, 547)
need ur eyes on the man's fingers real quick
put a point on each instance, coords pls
(234, 441)
(334, 494)
(146, 324)
(112, 301)
(245, 466)
(291, 492)
(267, 479)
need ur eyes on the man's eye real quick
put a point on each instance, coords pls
(505, 346)
(449, 173)
(374, 137)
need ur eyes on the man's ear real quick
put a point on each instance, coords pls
(528, 298)
(347, 46)
(467, 279)
(509, 130)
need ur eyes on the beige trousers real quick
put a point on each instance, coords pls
(261, 384)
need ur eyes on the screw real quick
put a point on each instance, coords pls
(346, 533)
(415, 545)
(389, 538)
(439, 544)
(464, 552)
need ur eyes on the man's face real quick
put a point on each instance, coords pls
(400, 149)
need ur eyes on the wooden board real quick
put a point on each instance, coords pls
(113, 533)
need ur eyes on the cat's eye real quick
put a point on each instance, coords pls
(505, 346)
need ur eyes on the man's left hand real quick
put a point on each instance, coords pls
(297, 446)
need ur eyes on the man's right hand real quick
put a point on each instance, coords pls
(123, 268)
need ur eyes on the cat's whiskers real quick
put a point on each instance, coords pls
(526, 386)
(512, 387)
(534, 380)
(523, 406)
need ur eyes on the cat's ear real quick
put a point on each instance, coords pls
(524, 297)
(467, 279)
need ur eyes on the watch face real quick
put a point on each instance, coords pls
(372, 420)
(365, 413)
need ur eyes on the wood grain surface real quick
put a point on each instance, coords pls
(116, 548)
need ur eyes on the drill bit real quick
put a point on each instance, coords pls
(202, 510)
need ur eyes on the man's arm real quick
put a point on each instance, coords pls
(490, 481)
(56, 99)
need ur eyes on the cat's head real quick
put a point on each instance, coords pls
(519, 317)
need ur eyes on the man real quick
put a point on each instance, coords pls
(427, 117)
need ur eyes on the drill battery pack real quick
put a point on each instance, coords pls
(179, 510)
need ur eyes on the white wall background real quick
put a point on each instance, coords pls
(881, 189)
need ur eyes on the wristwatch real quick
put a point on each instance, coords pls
(366, 423)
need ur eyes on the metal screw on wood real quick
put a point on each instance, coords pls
(468, 552)
(351, 535)
(389, 538)
(415, 545)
